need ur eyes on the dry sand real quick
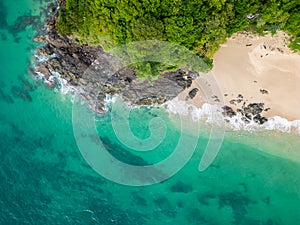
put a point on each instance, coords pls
(247, 64)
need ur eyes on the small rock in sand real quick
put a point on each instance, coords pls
(263, 91)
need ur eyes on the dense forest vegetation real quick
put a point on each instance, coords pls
(199, 25)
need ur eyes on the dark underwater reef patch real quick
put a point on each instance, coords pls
(179, 186)
(21, 93)
(165, 206)
(5, 97)
(49, 190)
(3, 15)
(20, 24)
(122, 154)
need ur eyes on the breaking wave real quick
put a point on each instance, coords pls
(236, 122)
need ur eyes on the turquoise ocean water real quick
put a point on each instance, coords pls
(44, 179)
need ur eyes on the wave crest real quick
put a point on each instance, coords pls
(236, 122)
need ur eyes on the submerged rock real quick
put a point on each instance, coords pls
(21, 93)
(5, 97)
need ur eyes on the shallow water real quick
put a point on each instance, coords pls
(44, 179)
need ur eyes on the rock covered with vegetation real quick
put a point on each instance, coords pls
(199, 25)
(81, 29)
(79, 65)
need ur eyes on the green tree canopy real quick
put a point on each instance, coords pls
(199, 25)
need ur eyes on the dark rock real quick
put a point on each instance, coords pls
(128, 80)
(263, 91)
(228, 111)
(39, 39)
(43, 70)
(245, 120)
(216, 98)
(73, 82)
(181, 78)
(260, 119)
(240, 111)
(248, 116)
(51, 7)
(193, 92)
(233, 102)
(254, 108)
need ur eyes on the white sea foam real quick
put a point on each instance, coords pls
(176, 106)
(207, 111)
(237, 122)
(61, 84)
(39, 75)
(282, 124)
(108, 101)
(44, 58)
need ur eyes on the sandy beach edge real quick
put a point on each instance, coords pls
(250, 69)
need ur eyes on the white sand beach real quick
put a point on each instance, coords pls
(262, 70)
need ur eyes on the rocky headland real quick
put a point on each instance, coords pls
(60, 58)
(60, 61)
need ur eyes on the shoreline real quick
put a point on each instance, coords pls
(267, 71)
(259, 74)
(234, 123)
(96, 73)
(243, 71)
